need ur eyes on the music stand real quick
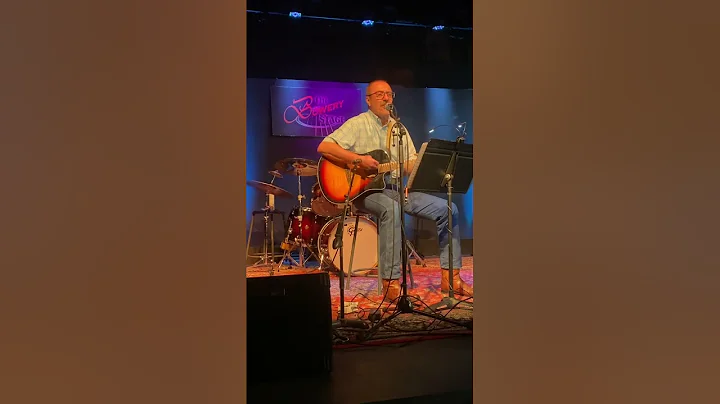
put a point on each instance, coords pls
(404, 306)
(444, 166)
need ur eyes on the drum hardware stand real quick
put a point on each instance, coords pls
(297, 242)
(268, 210)
(267, 259)
(338, 245)
(296, 166)
(404, 306)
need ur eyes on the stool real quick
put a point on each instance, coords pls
(357, 213)
(269, 227)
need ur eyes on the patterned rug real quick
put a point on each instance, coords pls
(362, 299)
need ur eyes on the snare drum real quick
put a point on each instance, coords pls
(321, 205)
(308, 228)
(366, 245)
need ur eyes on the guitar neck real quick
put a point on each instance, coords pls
(387, 167)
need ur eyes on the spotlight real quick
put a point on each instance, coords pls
(295, 14)
(438, 28)
(368, 23)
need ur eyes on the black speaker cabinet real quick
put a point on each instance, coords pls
(289, 326)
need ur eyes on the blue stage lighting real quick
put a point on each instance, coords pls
(438, 28)
(295, 14)
(368, 23)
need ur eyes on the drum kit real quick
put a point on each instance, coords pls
(311, 228)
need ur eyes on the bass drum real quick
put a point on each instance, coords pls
(366, 245)
(321, 205)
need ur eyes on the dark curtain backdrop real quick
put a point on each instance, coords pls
(420, 109)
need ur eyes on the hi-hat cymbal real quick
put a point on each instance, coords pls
(297, 166)
(275, 173)
(270, 189)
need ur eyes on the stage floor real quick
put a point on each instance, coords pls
(362, 298)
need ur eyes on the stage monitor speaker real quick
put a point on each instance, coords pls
(289, 326)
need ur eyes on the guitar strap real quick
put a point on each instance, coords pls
(391, 125)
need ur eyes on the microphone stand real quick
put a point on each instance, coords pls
(450, 300)
(404, 306)
(338, 245)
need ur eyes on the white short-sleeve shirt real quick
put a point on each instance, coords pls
(365, 132)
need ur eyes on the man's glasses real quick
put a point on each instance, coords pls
(379, 94)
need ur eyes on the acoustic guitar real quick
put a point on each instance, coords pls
(334, 178)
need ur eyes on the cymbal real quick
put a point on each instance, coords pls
(306, 171)
(270, 189)
(275, 173)
(297, 166)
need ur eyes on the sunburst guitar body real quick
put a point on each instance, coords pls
(334, 179)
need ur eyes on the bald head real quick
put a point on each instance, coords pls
(378, 94)
(375, 85)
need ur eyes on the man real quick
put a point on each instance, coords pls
(370, 131)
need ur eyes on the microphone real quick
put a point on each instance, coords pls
(393, 111)
(461, 138)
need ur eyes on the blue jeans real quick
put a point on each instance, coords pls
(386, 208)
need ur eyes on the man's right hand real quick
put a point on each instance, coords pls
(368, 163)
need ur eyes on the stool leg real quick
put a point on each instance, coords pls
(265, 234)
(352, 252)
(247, 249)
(283, 226)
(272, 240)
(414, 253)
